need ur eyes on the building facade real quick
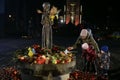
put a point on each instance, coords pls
(73, 12)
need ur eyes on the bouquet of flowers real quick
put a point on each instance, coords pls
(80, 75)
(9, 73)
(36, 54)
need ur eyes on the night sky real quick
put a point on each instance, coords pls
(97, 12)
(2, 6)
(101, 11)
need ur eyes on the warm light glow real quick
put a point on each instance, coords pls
(77, 21)
(67, 19)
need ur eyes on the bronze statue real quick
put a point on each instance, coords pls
(47, 27)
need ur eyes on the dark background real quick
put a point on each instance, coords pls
(98, 13)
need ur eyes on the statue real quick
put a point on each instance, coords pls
(47, 27)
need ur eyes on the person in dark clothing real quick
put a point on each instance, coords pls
(89, 56)
(104, 58)
(85, 37)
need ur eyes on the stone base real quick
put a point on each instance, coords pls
(49, 77)
(47, 71)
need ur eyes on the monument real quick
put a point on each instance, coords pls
(46, 62)
(47, 27)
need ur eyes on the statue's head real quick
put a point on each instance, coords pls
(46, 6)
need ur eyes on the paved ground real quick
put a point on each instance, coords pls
(9, 45)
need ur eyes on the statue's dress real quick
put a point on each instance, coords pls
(46, 31)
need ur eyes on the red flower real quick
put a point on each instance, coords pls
(35, 46)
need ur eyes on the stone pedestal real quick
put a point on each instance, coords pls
(47, 71)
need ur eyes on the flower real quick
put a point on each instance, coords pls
(37, 55)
